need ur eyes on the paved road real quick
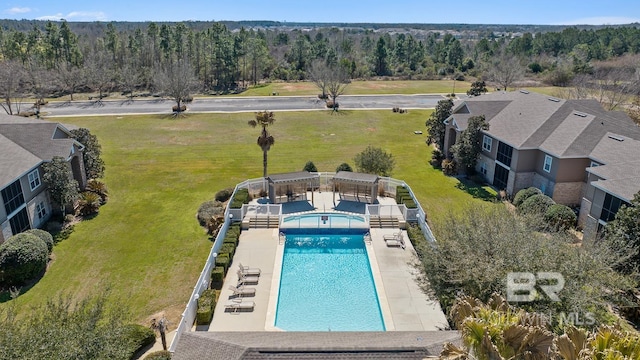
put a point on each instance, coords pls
(240, 104)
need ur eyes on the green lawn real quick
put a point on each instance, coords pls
(146, 243)
(364, 87)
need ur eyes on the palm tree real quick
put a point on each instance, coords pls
(265, 140)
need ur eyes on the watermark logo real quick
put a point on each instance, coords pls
(521, 286)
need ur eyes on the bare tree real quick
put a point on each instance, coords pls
(319, 73)
(129, 78)
(336, 84)
(505, 69)
(70, 77)
(99, 74)
(41, 82)
(611, 86)
(177, 80)
(12, 76)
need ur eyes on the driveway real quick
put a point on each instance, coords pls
(239, 104)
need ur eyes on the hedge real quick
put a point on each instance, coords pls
(206, 304)
(536, 204)
(241, 197)
(44, 235)
(224, 261)
(231, 238)
(224, 195)
(524, 194)
(140, 336)
(217, 277)
(417, 238)
(560, 217)
(227, 248)
(22, 257)
(159, 355)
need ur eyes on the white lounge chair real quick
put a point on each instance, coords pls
(249, 271)
(237, 306)
(246, 279)
(241, 291)
(394, 240)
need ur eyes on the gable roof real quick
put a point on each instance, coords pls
(562, 128)
(619, 174)
(312, 345)
(25, 143)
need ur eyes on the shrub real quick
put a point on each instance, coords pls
(409, 203)
(22, 258)
(344, 167)
(560, 217)
(206, 304)
(417, 238)
(536, 204)
(224, 261)
(224, 195)
(45, 236)
(89, 203)
(231, 238)
(100, 188)
(310, 167)
(241, 197)
(437, 157)
(208, 210)
(217, 277)
(449, 167)
(524, 194)
(159, 355)
(331, 105)
(182, 108)
(140, 336)
(63, 234)
(228, 248)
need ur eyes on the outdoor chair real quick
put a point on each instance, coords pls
(238, 305)
(245, 270)
(241, 291)
(246, 279)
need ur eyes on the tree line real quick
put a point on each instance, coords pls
(52, 60)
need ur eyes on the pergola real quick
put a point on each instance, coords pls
(291, 186)
(356, 186)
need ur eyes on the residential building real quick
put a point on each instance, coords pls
(572, 150)
(26, 144)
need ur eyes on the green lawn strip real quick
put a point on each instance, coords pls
(363, 88)
(146, 243)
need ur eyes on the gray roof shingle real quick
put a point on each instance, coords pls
(25, 143)
(312, 345)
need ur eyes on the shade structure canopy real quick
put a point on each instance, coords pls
(356, 186)
(292, 186)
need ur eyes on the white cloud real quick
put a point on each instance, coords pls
(17, 10)
(77, 16)
(602, 20)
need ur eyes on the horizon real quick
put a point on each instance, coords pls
(495, 12)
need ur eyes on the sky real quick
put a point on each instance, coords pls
(538, 12)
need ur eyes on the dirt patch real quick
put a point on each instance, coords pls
(372, 129)
(172, 313)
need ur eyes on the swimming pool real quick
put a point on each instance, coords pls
(326, 285)
(324, 220)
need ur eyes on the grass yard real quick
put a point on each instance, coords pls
(364, 87)
(146, 244)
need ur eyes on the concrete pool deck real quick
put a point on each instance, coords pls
(404, 306)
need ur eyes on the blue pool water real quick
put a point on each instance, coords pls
(326, 285)
(326, 220)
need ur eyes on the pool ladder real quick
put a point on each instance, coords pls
(281, 238)
(367, 238)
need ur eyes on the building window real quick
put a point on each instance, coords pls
(483, 168)
(486, 143)
(41, 210)
(610, 207)
(34, 179)
(547, 163)
(12, 196)
(20, 221)
(504, 154)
